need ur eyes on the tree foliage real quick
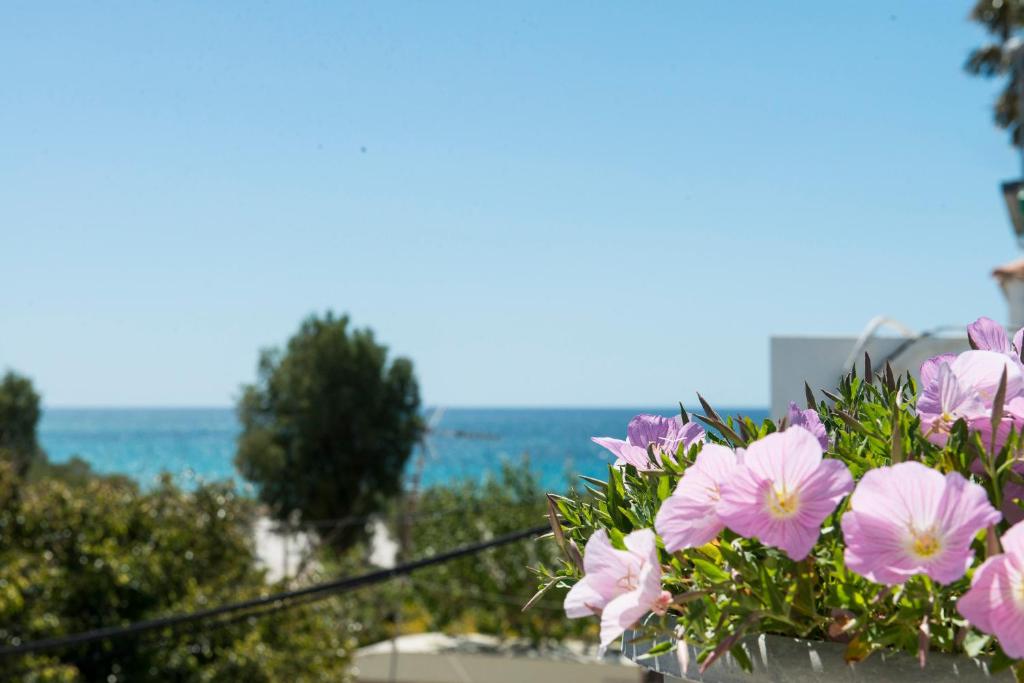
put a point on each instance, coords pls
(483, 593)
(1001, 19)
(79, 556)
(329, 424)
(19, 416)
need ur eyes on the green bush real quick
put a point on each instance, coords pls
(482, 593)
(75, 557)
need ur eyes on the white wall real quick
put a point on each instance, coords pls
(819, 361)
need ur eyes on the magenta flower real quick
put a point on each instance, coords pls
(1012, 512)
(909, 519)
(995, 602)
(988, 335)
(783, 491)
(688, 519)
(664, 434)
(930, 368)
(965, 388)
(981, 372)
(620, 585)
(945, 401)
(809, 420)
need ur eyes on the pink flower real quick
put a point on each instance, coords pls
(981, 372)
(663, 434)
(809, 420)
(783, 491)
(688, 518)
(995, 602)
(988, 335)
(620, 585)
(965, 388)
(944, 402)
(930, 368)
(1012, 512)
(909, 519)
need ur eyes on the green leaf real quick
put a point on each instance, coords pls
(975, 642)
(664, 488)
(661, 648)
(711, 572)
(770, 589)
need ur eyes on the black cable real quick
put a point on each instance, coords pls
(270, 602)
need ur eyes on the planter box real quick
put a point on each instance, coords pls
(778, 659)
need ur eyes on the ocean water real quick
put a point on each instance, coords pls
(199, 443)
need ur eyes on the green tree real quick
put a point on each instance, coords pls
(485, 593)
(1001, 19)
(482, 593)
(19, 416)
(329, 425)
(101, 552)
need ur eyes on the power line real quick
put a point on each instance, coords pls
(270, 603)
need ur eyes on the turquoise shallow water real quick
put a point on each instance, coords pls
(193, 443)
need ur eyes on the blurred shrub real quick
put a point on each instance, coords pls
(329, 425)
(19, 416)
(482, 593)
(100, 552)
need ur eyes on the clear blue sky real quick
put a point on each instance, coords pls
(540, 203)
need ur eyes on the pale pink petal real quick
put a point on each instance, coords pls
(610, 572)
(981, 372)
(637, 457)
(993, 603)
(783, 492)
(626, 610)
(687, 518)
(875, 549)
(604, 564)
(647, 430)
(687, 435)
(583, 601)
(930, 368)
(964, 509)
(945, 401)
(643, 544)
(989, 335)
(620, 614)
(795, 539)
(910, 519)
(809, 420)
(1013, 540)
(977, 603)
(823, 490)
(786, 458)
(613, 445)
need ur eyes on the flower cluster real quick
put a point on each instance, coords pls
(965, 386)
(650, 439)
(861, 519)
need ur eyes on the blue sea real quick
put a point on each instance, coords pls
(195, 444)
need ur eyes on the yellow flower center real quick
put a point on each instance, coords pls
(782, 504)
(925, 545)
(947, 417)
